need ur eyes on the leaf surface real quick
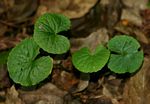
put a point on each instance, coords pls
(24, 68)
(88, 62)
(46, 33)
(125, 56)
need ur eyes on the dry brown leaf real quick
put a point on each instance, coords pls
(132, 15)
(12, 96)
(21, 10)
(70, 8)
(63, 79)
(132, 29)
(47, 94)
(139, 4)
(137, 89)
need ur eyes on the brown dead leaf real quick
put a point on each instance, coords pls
(47, 94)
(132, 10)
(70, 8)
(146, 22)
(137, 89)
(63, 79)
(21, 10)
(10, 42)
(83, 82)
(67, 64)
(111, 88)
(12, 96)
(132, 15)
(139, 4)
(132, 29)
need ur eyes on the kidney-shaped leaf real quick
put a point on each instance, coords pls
(46, 33)
(88, 62)
(23, 68)
(125, 56)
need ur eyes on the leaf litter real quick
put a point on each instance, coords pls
(103, 87)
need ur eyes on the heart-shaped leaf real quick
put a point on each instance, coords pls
(46, 33)
(88, 62)
(125, 56)
(24, 68)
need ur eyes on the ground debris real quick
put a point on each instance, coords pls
(47, 94)
(137, 89)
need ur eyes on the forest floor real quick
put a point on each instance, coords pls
(93, 22)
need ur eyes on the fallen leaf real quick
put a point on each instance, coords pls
(63, 79)
(137, 89)
(12, 96)
(83, 82)
(47, 94)
(139, 4)
(132, 15)
(70, 8)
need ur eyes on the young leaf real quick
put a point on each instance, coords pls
(125, 56)
(88, 62)
(23, 68)
(46, 33)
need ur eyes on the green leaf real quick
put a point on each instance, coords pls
(125, 56)
(24, 68)
(46, 33)
(88, 62)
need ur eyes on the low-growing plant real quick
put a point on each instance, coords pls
(23, 65)
(125, 54)
(88, 62)
(46, 33)
(24, 68)
(27, 69)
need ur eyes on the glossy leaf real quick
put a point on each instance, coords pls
(125, 56)
(46, 33)
(24, 68)
(88, 62)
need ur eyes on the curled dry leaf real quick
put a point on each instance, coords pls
(83, 82)
(70, 8)
(12, 96)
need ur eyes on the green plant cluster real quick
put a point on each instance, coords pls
(121, 55)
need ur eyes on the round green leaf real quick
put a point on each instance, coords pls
(24, 68)
(125, 56)
(88, 62)
(46, 33)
